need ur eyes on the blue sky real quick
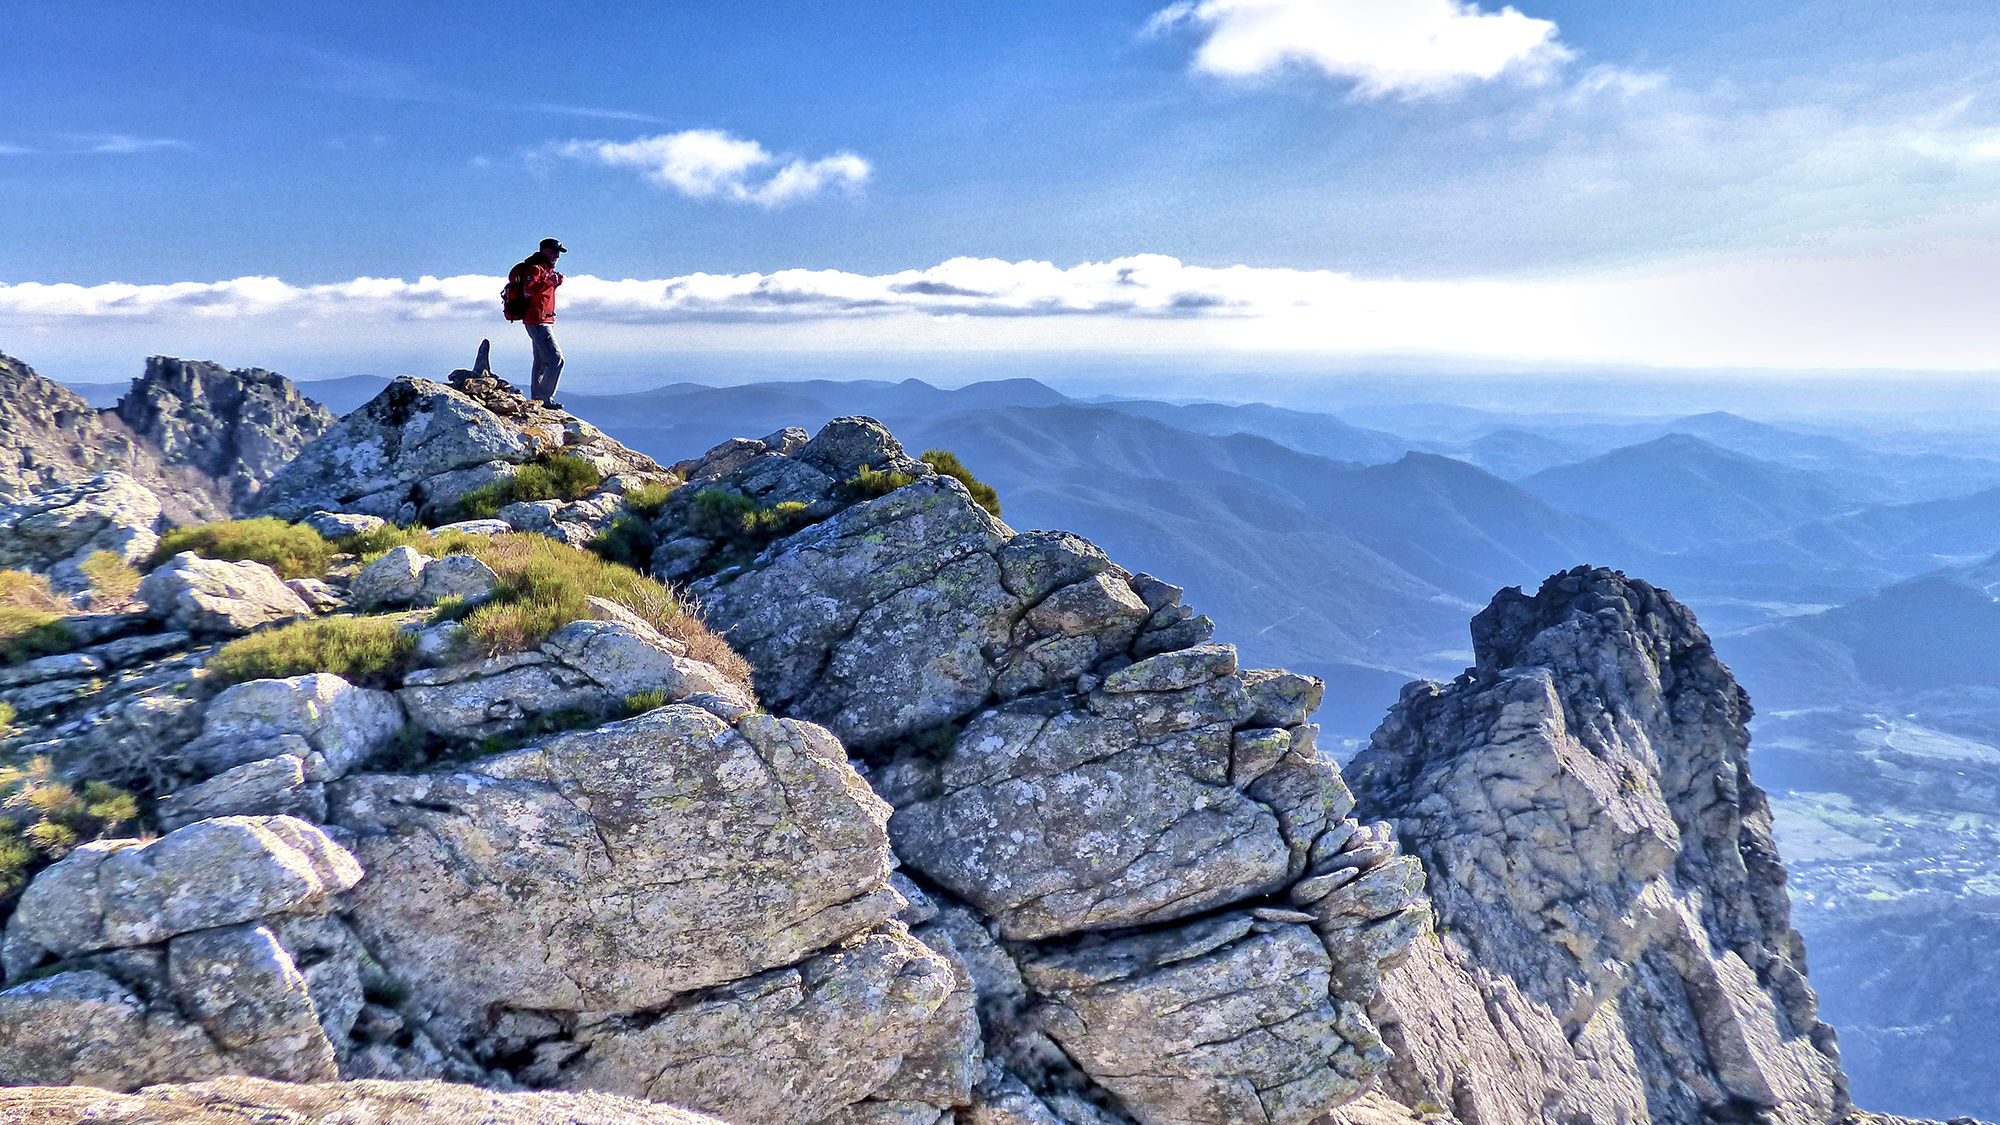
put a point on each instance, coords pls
(1426, 173)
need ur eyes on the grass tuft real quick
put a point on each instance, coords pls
(21, 589)
(647, 499)
(627, 542)
(640, 702)
(870, 483)
(373, 651)
(562, 476)
(293, 550)
(544, 584)
(43, 818)
(28, 633)
(372, 545)
(947, 462)
(112, 579)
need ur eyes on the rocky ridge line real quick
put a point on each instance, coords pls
(1006, 839)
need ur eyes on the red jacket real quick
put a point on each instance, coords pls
(538, 281)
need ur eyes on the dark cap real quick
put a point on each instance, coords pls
(552, 244)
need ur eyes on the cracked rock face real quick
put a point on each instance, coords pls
(1140, 855)
(615, 868)
(1614, 910)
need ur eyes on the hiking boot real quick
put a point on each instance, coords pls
(552, 404)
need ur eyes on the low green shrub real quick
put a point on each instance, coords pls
(627, 542)
(560, 476)
(947, 462)
(721, 514)
(7, 717)
(112, 579)
(870, 483)
(293, 550)
(28, 633)
(43, 818)
(640, 702)
(648, 499)
(366, 650)
(741, 527)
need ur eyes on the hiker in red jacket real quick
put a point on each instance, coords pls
(530, 297)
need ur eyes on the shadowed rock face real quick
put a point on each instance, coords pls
(50, 436)
(237, 427)
(1615, 940)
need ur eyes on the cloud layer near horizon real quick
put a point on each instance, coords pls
(1860, 309)
(1145, 285)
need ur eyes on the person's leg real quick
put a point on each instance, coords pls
(548, 362)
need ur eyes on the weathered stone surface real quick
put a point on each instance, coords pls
(1056, 823)
(85, 1028)
(587, 666)
(67, 665)
(340, 525)
(1223, 1021)
(55, 529)
(412, 431)
(237, 427)
(256, 1101)
(343, 723)
(198, 595)
(1175, 671)
(276, 786)
(119, 893)
(786, 1047)
(323, 598)
(242, 987)
(1582, 801)
(876, 620)
(389, 581)
(614, 868)
(845, 445)
(476, 527)
(455, 576)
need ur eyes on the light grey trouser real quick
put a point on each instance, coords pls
(548, 362)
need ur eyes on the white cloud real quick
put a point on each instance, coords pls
(120, 144)
(712, 164)
(1923, 306)
(1411, 48)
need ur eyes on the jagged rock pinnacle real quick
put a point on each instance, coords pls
(1603, 868)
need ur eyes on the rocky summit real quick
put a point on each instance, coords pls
(1613, 939)
(510, 775)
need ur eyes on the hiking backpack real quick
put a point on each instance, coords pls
(514, 295)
